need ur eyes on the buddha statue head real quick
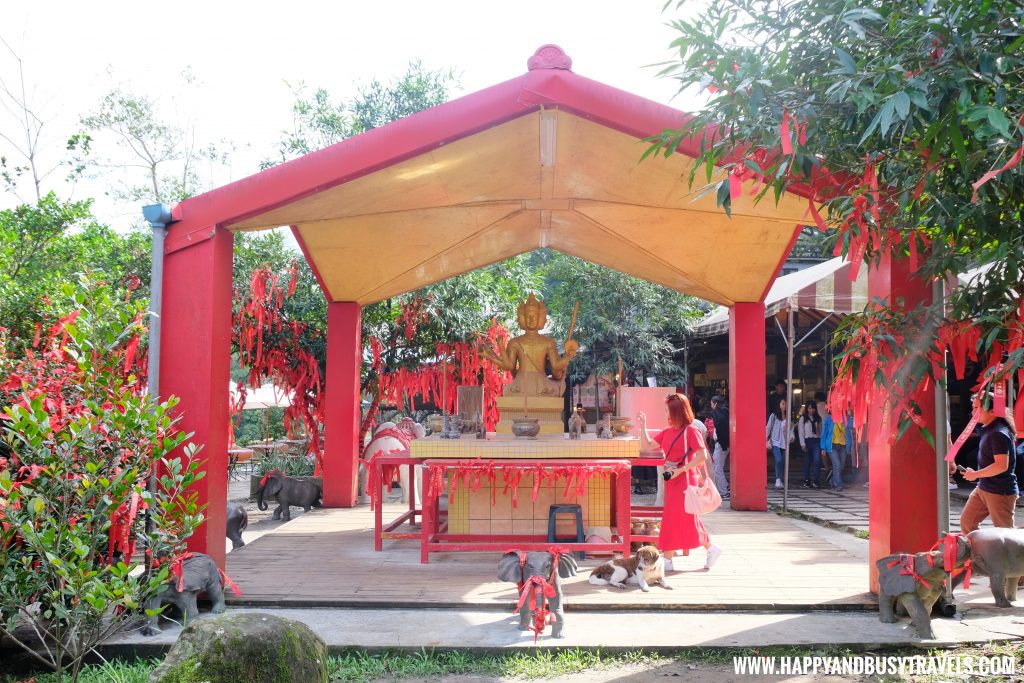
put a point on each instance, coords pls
(532, 314)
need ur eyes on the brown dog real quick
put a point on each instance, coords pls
(643, 568)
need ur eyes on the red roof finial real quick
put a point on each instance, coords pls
(549, 57)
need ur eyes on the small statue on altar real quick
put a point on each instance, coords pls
(604, 428)
(452, 427)
(577, 425)
(479, 427)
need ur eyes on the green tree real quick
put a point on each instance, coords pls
(903, 121)
(320, 122)
(45, 244)
(151, 160)
(619, 316)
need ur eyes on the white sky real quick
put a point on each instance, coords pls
(242, 54)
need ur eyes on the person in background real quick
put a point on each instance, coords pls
(836, 439)
(684, 447)
(720, 418)
(776, 436)
(997, 489)
(828, 427)
(809, 433)
(776, 395)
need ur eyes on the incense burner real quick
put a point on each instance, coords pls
(620, 426)
(526, 427)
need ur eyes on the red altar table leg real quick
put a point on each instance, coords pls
(378, 513)
(622, 489)
(429, 520)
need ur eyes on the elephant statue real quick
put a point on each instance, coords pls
(520, 568)
(998, 553)
(198, 574)
(288, 491)
(238, 520)
(912, 583)
(395, 438)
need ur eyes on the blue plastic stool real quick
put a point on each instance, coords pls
(567, 509)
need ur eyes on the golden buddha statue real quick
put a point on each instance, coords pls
(529, 355)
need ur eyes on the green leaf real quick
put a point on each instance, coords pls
(998, 120)
(901, 103)
(849, 65)
(957, 138)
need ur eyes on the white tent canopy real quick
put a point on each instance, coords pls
(825, 286)
(266, 396)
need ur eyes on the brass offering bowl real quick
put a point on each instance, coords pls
(436, 423)
(526, 427)
(621, 426)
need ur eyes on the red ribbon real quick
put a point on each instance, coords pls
(178, 572)
(906, 564)
(950, 547)
(784, 138)
(990, 175)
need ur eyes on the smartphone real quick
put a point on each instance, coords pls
(961, 468)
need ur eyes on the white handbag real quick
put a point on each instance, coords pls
(702, 497)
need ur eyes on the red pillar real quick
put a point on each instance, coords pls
(902, 488)
(195, 357)
(747, 407)
(341, 410)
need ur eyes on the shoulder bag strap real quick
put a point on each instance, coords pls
(669, 450)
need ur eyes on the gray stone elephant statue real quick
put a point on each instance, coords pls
(288, 491)
(520, 568)
(998, 554)
(198, 574)
(238, 520)
(912, 583)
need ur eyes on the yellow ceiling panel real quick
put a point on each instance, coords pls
(545, 179)
(691, 241)
(380, 264)
(596, 162)
(499, 163)
(355, 255)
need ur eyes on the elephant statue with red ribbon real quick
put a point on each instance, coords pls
(538, 577)
(392, 438)
(191, 574)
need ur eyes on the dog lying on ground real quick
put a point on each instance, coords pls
(642, 569)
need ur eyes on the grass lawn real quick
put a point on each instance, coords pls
(437, 665)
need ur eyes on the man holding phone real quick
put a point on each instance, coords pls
(997, 490)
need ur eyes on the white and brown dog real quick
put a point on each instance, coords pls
(642, 569)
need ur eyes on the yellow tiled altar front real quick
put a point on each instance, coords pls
(544, 447)
(471, 512)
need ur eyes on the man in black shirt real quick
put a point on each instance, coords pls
(720, 416)
(775, 396)
(996, 492)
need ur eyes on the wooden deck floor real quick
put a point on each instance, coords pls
(325, 558)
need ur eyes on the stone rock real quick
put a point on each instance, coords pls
(253, 647)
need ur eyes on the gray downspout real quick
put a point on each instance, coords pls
(159, 217)
(941, 437)
(789, 401)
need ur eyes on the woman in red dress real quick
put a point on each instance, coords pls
(684, 448)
